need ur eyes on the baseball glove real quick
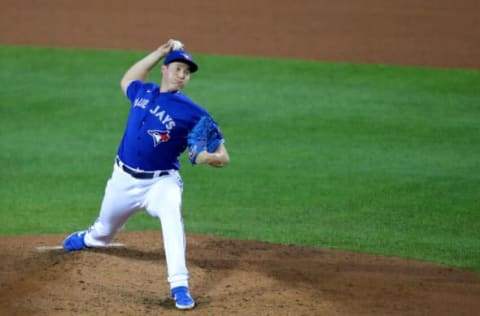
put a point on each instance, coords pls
(203, 136)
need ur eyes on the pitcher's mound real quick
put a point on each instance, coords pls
(227, 278)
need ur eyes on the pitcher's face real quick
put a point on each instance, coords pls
(176, 75)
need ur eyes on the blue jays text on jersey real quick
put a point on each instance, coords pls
(157, 127)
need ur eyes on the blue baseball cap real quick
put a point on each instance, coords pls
(182, 56)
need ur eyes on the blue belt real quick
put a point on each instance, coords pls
(140, 174)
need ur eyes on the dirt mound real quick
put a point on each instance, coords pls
(227, 278)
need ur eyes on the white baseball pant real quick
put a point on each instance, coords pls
(161, 197)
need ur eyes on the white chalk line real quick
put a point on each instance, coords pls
(47, 248)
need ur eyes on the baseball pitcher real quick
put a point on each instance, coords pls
(163, 122)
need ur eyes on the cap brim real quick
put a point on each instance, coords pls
(193, 66)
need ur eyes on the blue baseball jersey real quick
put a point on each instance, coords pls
(157, 127)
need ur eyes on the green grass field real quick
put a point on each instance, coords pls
(369, 158)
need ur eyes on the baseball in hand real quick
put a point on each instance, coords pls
(177, 45)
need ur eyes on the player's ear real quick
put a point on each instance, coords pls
(163, 68)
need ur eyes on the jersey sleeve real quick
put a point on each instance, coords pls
(133, 88)
(138, 89)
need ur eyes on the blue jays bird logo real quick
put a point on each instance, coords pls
(159, 136)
